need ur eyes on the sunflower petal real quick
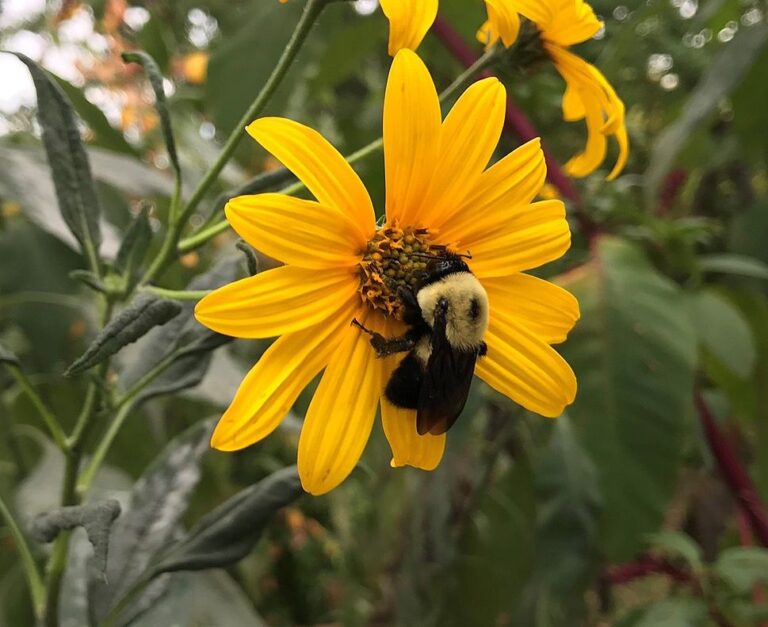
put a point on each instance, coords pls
(529, 238)
(270, 389)
(283, 300)
(409, 21)
(506, 187)
(340, 417)
(545, 309)
(504, 20)
(298, 232)
(589, 95)
(524, 368)
(468, 138)
(408, 447)
(319, 166)
(411, 135)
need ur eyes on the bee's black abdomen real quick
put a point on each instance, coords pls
(404, 384)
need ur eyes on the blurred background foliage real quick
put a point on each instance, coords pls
(620, 513)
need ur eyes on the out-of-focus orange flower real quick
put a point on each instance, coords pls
(195, 67)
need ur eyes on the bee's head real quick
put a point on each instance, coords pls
(440, 266)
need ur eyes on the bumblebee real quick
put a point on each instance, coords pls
(447, 317)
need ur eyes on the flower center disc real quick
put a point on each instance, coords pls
(395, 257)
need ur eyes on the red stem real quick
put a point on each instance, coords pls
(516, 122)
(644, 566)
(734, 474)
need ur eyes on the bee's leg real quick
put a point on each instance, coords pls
(383, 346)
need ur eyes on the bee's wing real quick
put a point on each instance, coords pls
(445, 386)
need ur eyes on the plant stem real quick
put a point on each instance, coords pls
(210, 231)
(311, 12)
(34, 579)
(100, 454)
(734, 474)
(57, 433)
(184, 295)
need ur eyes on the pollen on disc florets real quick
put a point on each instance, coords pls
(394, 257)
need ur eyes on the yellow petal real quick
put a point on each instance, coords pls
(408, 447)
(545, 309)
(534, 235)
(341, 414)
(589, 95)
(504, 20)
(524, 368)
(563, 22)
(318, 165)
(409, 21)
(298, 232)
(505, 188)
(486, 34)
(411, 135)
(283, 300)
(270, 389)
(468, 138)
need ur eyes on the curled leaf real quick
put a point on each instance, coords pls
(7, 357)
(145, 312)
(96, 518)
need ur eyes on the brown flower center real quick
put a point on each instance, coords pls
(395, 257)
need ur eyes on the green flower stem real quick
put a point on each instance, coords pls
(57, 433)
(100, 454)
(465, 78)
(184, 295)
(57, 563)
(311, 12)
(34, 579)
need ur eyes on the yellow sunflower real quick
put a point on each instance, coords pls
(438, 193)
(588, 95)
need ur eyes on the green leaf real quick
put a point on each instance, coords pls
(206, 599)
(158, 501)
(156, 81)
(7, 357)
(678, 545)
(228, 533)
(723, 331)
(145, 312)
(743, 567)
(185, 338)
(106, 134)
(96, 518)
(133, 248)
(738, 265)
(68, 161)
(721, 77)
(674, 612)
(634, 354)
(567, 537)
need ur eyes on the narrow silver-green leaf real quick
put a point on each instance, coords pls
(634, 354)
(151, 520)
(133, 248)
(7, 357)
(742, 567)
(145, 312)
(96, 518)
(228, 533)
(68, 161)
(739, 265)
(161, 104)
